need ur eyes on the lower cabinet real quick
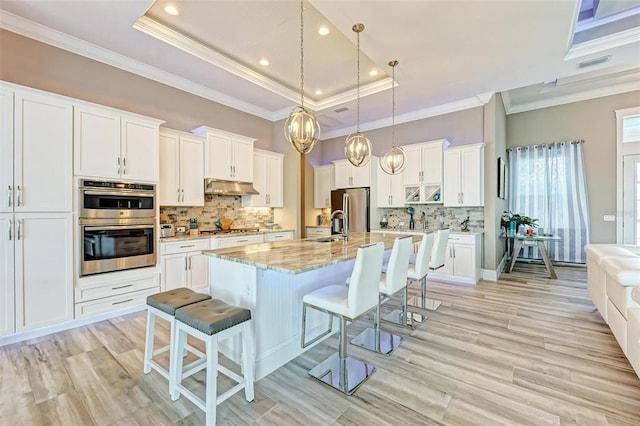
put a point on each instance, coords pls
(184, 265)
(36, 280)
(462, 259)
(109, 292)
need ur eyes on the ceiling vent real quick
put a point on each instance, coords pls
(343, 109)
(593, 62)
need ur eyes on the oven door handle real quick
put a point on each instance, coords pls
(123, 193)
(116, 227)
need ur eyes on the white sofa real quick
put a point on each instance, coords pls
(613, 282)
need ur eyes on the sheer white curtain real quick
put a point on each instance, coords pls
(548, 182)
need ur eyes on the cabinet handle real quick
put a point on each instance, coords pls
(178, 200)
(190, 245)
(19, 236)
(19, 196)
(10, 230)
(124, 165)
(189, 263)
(185, 263)
(118, 170)
(122, 301)
(10, 196)
(242, 241)
(122, 286)
(182, 195)
(462, 198)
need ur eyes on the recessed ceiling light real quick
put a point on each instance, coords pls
(373, 73)
(264, 62)
(323, 31)
(318, 92)
(171, 10)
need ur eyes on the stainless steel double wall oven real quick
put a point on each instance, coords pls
(117, 226)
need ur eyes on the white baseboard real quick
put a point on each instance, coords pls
(43, 331)
(493, 275)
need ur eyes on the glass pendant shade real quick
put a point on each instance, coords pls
(394, 161)
(302, 130)
(357, 149)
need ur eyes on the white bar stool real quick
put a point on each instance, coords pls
(392, 282)
(347, 303)
(212, 321)
(164, 305)
(418, 269)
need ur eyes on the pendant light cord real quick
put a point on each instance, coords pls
(393, 103)
(358, 86)
(301, 54)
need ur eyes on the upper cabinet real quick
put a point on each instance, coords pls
(390, 191)
(35, 152)
(181, 169)
(226, 155)
(114, 144)
(464, 176)
(323, 184)
(349, 176)
(268, 174)
(423, 175)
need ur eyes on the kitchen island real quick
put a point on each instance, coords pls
(270, 279)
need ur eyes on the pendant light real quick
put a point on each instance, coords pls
(357, 147)
(302, 129)
(395, 160)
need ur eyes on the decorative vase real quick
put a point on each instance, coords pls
(512, 228)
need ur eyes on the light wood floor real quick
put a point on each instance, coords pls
(524, 350)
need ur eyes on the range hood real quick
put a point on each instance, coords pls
(225, 187)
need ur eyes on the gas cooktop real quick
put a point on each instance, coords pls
(229, 231)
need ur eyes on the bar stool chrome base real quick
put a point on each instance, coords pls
(368, 340)
(354, 373)
(408, 319)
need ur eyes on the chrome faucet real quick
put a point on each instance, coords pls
(345, 216)
(423, 217)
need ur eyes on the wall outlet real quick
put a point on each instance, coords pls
(181, 229)
(609, 218)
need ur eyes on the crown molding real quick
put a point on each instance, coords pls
(476, 101)
(601, 44)
(80, 47)
(577, 97)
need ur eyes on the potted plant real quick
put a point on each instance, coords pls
(511, 222)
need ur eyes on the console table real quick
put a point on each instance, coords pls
(531, 240)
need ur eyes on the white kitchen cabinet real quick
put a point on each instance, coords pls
(7, 283)
(184, 265)
(314, 232)
(349, 176)
(268, 180)
(464, 176)
(390, 190)
(243, 240)
(36, 152)
(271, 237)
(422, 176)
(37, 262)
(323, 184)
(226, 155)
(181, 169)
(462, 259)
(113, 144)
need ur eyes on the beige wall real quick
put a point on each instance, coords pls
(594, 121)
(31, 63)
(459, 128)
(494, 138)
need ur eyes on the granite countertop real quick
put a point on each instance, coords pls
(420, 230)
(318, 226)
(187, 236)
(297, 256)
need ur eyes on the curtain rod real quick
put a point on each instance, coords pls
(549, 146)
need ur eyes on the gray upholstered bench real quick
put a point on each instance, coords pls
(164, 305)
(212, 321)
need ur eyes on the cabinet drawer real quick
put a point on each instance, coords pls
(184, 246)
(109, 304)
(236, 241)
(116, 288)
(318, 232)
(462, 238)
(278, 236)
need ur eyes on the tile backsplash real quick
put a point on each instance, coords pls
(435, 216)
(216, 207)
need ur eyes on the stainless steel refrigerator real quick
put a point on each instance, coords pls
(357, 200)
